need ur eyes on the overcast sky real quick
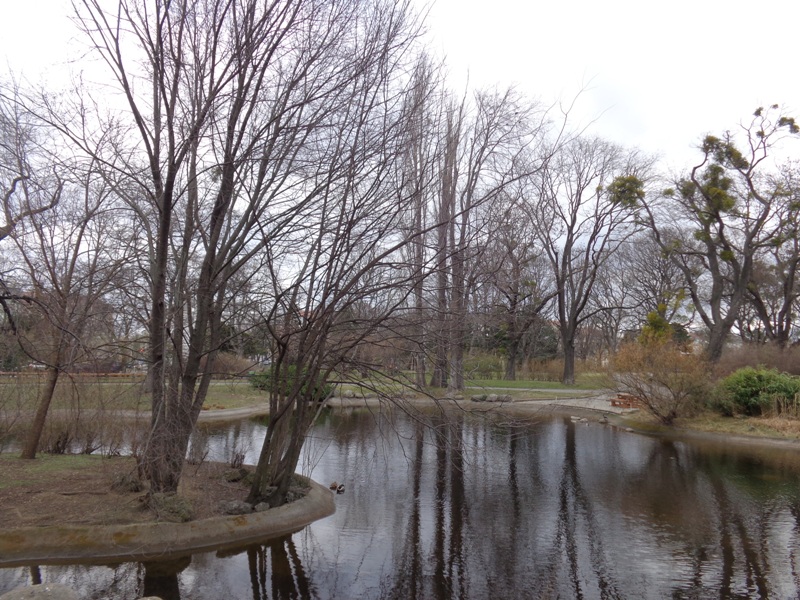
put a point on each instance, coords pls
(655, 75)
(658, 75)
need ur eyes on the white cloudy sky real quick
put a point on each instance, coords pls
(655, 75)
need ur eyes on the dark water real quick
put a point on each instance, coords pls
(479, 509)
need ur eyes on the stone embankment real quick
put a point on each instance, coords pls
(49, 591)
(141, 541)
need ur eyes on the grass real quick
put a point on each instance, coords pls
(120, 394)
(233, 394)
(787, 428)
(768, 427)
(545, 395)
(18, 472)
(127, 394)
(587, 381)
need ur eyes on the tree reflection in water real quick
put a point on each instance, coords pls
(160, 578)
(470, 508)
(276, 571)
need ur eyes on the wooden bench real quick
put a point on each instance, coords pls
(624, 400)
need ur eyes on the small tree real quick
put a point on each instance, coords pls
(668, 381)
(66, 260)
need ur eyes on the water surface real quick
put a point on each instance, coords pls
(476, 508)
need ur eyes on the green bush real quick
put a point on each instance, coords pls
(755, 391)
(312, 390)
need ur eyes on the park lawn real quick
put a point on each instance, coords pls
(75, 394)
(233, 393)
(525, 394)
(127, 394)
(587, 382)
(120, 395)
(17, 472)
(707, 421)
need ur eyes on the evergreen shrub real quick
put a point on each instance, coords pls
(755, 391)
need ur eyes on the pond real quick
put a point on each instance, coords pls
(479, 508)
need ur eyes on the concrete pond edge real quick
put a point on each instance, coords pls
(156, 541)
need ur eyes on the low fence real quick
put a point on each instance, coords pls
(34, 375)
(88, 377)
(497, 375)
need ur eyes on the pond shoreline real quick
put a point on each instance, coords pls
(594, 406)
(597, 408)
(525, 492)
(101, 544)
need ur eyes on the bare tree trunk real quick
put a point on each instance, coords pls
(157, 462)
(717, 337)
(445, 217)
(568, 343)
(458, 325)
(511, 357)
(418, 248)
(31, 444)
(420, 378)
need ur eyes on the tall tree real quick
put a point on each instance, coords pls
(423, 116)
(727, 207)
(445, 214)
(342, 275)
(582, 207)
(231, 147)
(30, 183)
(519, 278)
(490, 144)
(774, 288)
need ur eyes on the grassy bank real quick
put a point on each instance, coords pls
(768, 427)
(121, 394)
(585, 382)
(18, 473)
(709, 422)
(74, 397)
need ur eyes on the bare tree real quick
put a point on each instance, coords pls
(612, 307)
(445, 210)
(30, 183)
(236, 147)
(654, 282)
(582, 207)
(29, 179)
(67, 265)
(341, 275)
(774, 289)
(518, 275)
(419, 174)
(489, 145)
(637, 281)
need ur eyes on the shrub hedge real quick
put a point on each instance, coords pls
(755, 391)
